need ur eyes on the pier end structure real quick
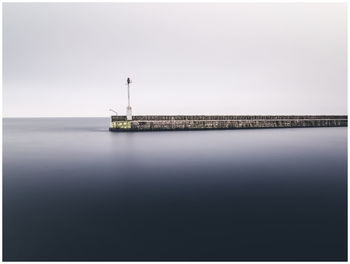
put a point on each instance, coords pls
(205, 122)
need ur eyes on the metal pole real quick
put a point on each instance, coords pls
(128, 95)
(113, 111)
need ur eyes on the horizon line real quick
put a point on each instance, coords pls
(177, 115)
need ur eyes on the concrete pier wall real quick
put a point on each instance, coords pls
(156, 123)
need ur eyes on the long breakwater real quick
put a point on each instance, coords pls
(205, 122)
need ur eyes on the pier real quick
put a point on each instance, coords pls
(205, 122)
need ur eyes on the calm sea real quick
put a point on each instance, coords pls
(72, 190)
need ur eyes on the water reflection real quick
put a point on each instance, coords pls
(74, 191)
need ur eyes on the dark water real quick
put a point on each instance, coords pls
(74, 191)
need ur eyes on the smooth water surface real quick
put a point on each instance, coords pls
(72, 190)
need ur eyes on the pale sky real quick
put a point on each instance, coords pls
(72, 59)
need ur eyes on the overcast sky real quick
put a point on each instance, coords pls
(72, 59)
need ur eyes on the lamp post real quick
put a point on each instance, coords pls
(128, 81)
(128, 108)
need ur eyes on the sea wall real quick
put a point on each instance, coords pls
(156, 123)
